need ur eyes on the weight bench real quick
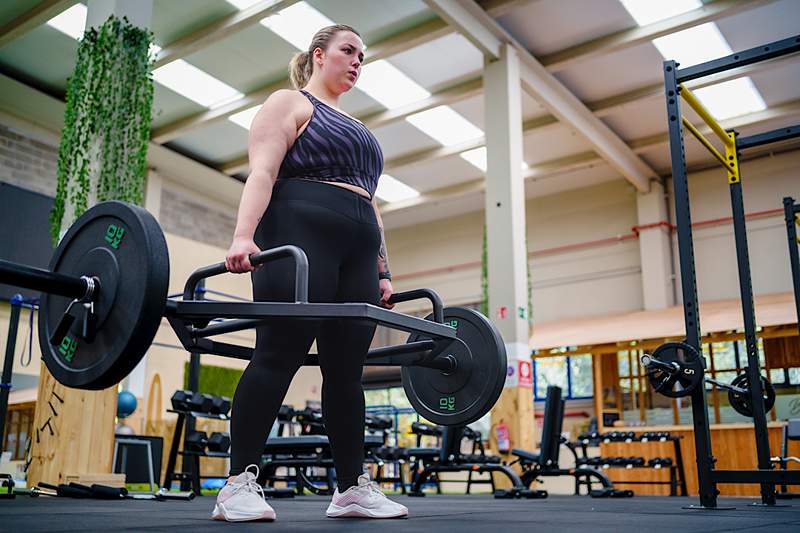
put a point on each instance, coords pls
(449, 458)
(545, 463)
(301, 453)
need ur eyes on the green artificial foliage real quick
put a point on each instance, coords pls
(103, 150)
(215, 380)
(484, 307)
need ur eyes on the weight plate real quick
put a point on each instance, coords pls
(687, 378)
(741, 402)
(468, 393)
(123, 246)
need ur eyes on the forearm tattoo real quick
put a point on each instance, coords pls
(383, 258)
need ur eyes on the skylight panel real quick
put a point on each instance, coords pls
(445, 125)
(297, 24)
(242, 4)
(71, 21)
(731, 98)
(385, 83)
(393, 190)
(477, 158)
(191, 82)
(245, 118)
(646, 12)
(694, 45)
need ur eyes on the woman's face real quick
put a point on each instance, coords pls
(340, 64)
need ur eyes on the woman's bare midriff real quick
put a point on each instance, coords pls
(355, 188)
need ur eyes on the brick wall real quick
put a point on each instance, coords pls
(185, 215)
(31, 163)
(26, 162)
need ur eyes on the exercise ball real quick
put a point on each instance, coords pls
(126, 404)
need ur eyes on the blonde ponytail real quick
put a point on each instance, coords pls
(300, 69)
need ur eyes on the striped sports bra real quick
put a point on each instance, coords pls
(334, 147)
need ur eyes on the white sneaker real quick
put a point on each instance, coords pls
(242, 499)
(365, 500)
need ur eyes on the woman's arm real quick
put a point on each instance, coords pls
(272, 133)
(385, 277)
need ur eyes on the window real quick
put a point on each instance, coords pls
(19, 422)
(573, 373)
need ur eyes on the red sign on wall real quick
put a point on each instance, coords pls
(525, 373)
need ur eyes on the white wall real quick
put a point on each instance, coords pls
(765, 182)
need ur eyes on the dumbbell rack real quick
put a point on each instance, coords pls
(193, 475)
(677, 476)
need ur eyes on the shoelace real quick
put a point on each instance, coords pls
(249, 486)
(375, 489)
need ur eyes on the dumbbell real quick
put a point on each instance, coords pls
(219, 442)
(180, 400)
(659, 462)
(220, 405)
(197, 441)
(201, 402)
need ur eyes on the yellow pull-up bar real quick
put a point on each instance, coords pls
(705, 142)
(695, 104)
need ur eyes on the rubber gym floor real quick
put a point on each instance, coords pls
(434, 513)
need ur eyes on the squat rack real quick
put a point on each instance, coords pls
(674, 79)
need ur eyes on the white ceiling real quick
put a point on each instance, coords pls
(254, 58)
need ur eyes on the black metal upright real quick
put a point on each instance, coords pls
(8, 363)
(188, 462)
(691, 310)
(751, 342)
(790, 212)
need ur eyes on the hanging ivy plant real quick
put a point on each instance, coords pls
(103, 150)
(485, 279)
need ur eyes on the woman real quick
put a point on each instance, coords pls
(314, 171)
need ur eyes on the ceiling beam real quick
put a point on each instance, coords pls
(473, 87)
(637, 35)
(394, 44)
(482, 30)
(586, 160)
(219, 29)
(34, 17)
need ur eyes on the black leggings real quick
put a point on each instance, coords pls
(339, 233)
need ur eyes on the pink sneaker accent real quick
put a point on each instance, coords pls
(365, 500)
(242, 500)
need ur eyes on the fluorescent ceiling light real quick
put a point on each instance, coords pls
(243, 4)
(646, 12)
(477, 158)
(445, 125)
(72, 21)
(731, 99)
(385, 83)
(245, 118)
(393, 190)
(297, 24)
(191, 82)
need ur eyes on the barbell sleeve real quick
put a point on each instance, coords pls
(671, 368)
(43, 280)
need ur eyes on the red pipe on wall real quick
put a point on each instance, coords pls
(635, 230)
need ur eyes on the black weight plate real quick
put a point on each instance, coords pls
(123, 246)
(686, 379)
(741, 402)
(467, 394)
